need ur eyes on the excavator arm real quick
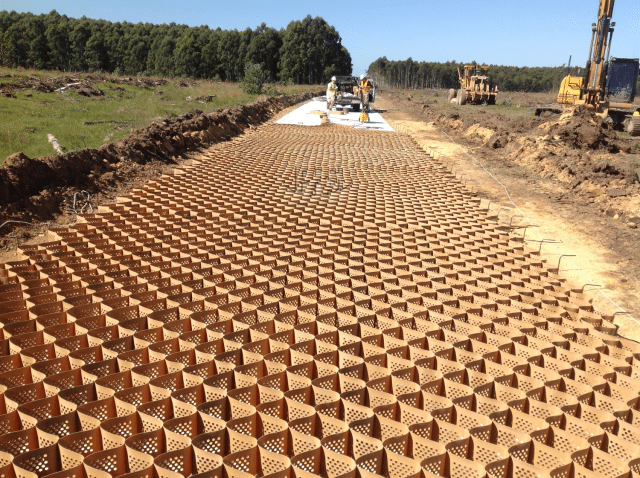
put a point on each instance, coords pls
(589, 89)
(597, 64)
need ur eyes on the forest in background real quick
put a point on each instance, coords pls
(308, 51)
(409, 74)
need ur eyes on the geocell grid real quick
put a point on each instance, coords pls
(306, 302)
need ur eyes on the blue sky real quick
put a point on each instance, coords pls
(506, 32)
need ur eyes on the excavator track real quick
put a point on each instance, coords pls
(633, 128)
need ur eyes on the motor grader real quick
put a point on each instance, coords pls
(475, 87)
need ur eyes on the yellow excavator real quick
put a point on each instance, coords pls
(609, 84)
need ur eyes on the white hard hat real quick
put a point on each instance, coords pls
(333, 78)
(362, 77)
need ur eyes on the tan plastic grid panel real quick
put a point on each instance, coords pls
(306, 302)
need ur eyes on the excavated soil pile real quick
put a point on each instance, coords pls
(576, 148)
(579, 149)
(185, 82)
(39, 188)
(578, 129)
(581, 129)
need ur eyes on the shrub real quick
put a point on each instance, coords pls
(254, 79)
(271, 90)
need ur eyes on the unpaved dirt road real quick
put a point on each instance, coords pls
(606, 250)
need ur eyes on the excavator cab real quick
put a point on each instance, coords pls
(621, 80)
(619, 88)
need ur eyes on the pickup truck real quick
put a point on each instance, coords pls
(348, 94)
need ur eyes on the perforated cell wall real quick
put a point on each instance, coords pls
(306, 302)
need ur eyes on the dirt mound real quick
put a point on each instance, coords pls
(579, 128)
(89, 92)
(501, 125)
(39, 189)
(574, 148)
(578, 149)
(81, 83)
(186, 82)
(136, 81)
(550, 158)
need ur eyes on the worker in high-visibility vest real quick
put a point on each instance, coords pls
(332, 92)
(365, 88)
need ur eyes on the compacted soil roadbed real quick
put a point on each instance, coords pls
(305, 301)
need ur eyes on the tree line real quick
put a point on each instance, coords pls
(411, 74)
(307, 51)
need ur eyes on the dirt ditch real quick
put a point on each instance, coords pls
(42, 189)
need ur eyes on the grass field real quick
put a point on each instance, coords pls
(509, 104)
(25, 121)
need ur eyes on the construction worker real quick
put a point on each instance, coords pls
(365, 89)
(332, 92)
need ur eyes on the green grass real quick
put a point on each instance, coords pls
(25, 121)
(16, 72)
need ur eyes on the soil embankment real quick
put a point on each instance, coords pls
(39, 189)
(590, 161)
(563, 172)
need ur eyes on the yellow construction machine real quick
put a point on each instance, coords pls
(475, 87)
(608, 86)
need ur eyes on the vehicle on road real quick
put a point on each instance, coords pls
(349, 92)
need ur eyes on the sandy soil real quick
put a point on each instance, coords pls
(606, 250)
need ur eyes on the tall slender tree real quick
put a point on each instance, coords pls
(312, 52)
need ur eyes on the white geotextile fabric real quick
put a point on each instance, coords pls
(304, 115)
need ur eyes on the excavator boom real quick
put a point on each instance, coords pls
(605, 9)
(589, 89)
(599, 53)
